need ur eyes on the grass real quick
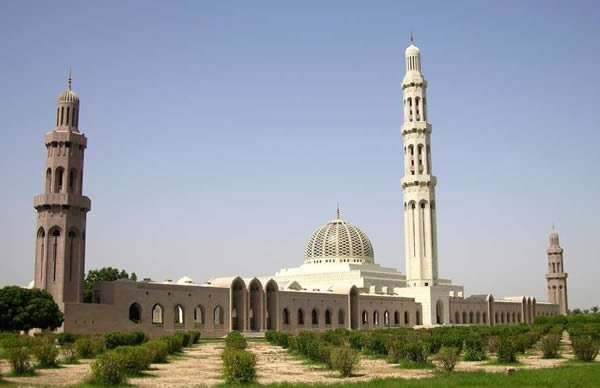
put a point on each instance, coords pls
(406, 364)
(573, 376)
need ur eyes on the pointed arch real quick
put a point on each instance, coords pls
(386, 318)
(218, 316)
(286, 316)
(157, 314)
(272, 298)
(327, 317)
(59, 179)
(314, 317)
(341, 318)
(135, 312)
(48, 180)
(300, 317)
(179, 315)
(199, 315)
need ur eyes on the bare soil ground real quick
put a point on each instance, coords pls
(201, 366)
(63, 376)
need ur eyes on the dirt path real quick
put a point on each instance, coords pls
(63, 376)
(198, 366)
(276, 365)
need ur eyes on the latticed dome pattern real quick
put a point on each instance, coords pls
(338, 241)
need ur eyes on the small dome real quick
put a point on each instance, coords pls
(68, 96)
(411, 50)
(186, 280)
(338, 241)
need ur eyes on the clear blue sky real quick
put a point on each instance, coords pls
(221, 134)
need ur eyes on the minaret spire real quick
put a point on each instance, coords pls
(412, 38)
(556, 276)
(418, 183)
(337, 213)
(69, 81)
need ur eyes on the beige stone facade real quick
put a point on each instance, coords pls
(339, 285)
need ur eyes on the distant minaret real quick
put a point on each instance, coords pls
(557, 277)
(418, 183)
(62, 209)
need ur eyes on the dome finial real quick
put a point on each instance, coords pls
(69, 80)
(337, 213)
(412, 38)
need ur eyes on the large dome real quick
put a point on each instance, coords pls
(338, 242)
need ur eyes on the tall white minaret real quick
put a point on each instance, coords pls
(418, 183)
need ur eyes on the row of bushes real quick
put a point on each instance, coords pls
(21, 350)
(114, 366)
(239, 364)
(330, 348)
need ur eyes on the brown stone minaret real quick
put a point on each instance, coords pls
(557, 277)
(62, 209)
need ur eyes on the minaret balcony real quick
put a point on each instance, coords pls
(62, 199)
(557, 275)
(66, 136)
(418, 180)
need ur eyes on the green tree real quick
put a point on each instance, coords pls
(595, 309)
(25, 309)
(108, 274)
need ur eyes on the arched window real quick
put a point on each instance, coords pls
(327, 317)
(406, 318)
(464, 317)
(341, 318)
(300, 317)
(315, 317)
(157, 314)
(199, 315)
(68, 115)
(484, 316)
(73, 181)
(54, 243)
(58, 180)
(418, 316)
(497, 318)
(386, 318)
(178, 315)
(218, 317)
(286, 317)
(518, 317)
(135, 313)
(396, 318)
(471, 320)
(365, 318)
(375, 318)
(71, 247)
(48, 180)
(456, 317)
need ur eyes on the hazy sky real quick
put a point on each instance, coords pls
(221, 134)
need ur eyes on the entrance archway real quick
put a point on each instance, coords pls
(354, 311)
(272, 316)
(439, 312)
(256, 305)
(238, 305)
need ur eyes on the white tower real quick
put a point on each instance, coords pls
(418, 183)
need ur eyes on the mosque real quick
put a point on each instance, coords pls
(339, 285)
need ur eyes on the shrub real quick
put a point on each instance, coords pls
(194, 337)
(395, 351)
(45, 352)
(88, 347)
(344, 359)
(114, 340)
(235, 340)
(493, 343)
(173, 342)
(447, 356)
(473, 349)
(134, 359)
(584, 347)
(550, 345)
(337, 337)
(356, 340)
(374, 343)
(416, 352)
(108, 369)
(239, 366)
(17, 351)
(158, 350)
(507, 352)
(186, 338)
(66, 339)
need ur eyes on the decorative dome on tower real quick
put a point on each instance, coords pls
(68, 95)
(338, 242)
